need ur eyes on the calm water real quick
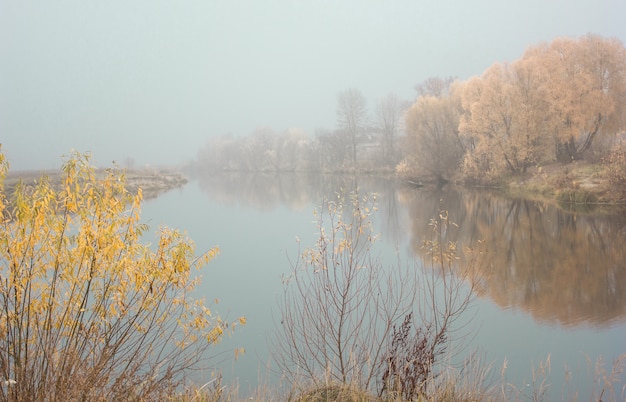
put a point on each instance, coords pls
(554, 283)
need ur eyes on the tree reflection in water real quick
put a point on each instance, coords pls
(561, 267)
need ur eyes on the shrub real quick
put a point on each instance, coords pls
(615, 171)
(341, 308)
(87, 311)
(409, 360)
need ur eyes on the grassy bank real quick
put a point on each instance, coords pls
(576, 186)
(477, 380)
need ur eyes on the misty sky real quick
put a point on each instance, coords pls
(153, 80)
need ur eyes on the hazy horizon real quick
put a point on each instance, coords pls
(154, 80)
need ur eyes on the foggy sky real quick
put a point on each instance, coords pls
(153, 80)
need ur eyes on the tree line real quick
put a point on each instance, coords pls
(560, 102)
(359, 141)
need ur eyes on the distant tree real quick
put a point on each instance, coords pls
(260, 151)
(434, 86)
(351, 117)
(390, 112)
(434, 145)
(223, 153)
(333, 148)
(293, 146)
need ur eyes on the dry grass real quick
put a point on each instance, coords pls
(475, 380)
(579, 186)
(336, 392)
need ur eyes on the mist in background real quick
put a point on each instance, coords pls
(149, 82)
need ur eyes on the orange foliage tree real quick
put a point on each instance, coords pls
(555, 103)
(585, 83)
(503, 120)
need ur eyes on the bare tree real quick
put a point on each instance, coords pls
(434, 86)
(332, 148)
(341, 308)
(390, 112)
(351, 116)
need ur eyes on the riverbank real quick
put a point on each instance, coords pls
(153, 182)
(579, 186)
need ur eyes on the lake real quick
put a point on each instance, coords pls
(553, 283)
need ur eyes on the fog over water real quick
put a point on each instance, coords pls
(153, 80)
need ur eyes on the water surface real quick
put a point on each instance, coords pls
(553, 283)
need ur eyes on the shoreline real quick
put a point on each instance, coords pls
(578, 187)
(153, 182)
(574, 187)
